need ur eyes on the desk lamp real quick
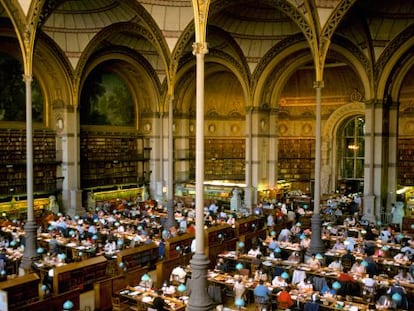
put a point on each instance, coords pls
(336, 286)
(68, 305)
(145, 278)
(239, 303)
(181, 288)
(239, 266)
(396, 297)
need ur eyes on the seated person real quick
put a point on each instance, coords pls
(336, 265)
(305, 286)
(262, 291)
(146, 283)
(168, 289)
(254, 251)
(314, 263)
(159, 303)
(348, 259)
(401, 258)
(339, 245)
(369, 285)
(398, 289)
(178, 275)
(348, 284)
(385, 302)
(221, 265)
(284, 300)
(278, 281)
(294, 257)
(259, 274)
(404, 276)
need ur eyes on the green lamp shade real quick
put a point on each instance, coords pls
(145, 278)
(68, 305)
(239, 266)
(241, 244)
(40, 250)
(336, 285)
(239, 302)
(396, 297)
(285, 275)
(181, 288)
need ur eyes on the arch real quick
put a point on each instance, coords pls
(95, 44)
(126, 63)
(389, 59)
(329, 137)
(275, 58)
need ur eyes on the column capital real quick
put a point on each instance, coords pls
(318, 84)
(200, 48)
(27, 78)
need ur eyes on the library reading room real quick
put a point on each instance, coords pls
(229, 155)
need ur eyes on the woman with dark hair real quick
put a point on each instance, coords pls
(159, 303)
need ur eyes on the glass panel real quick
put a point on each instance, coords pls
(359, 170)
(348, 168)
(352, 149)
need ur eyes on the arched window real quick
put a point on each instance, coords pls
(352, 149)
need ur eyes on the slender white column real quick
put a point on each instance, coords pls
(199, 299)
(170, 186)
(248, 193)
(30, 226)
(369, 196)
(316, 244)
(171, 222)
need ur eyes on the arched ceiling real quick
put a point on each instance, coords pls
(253, 27)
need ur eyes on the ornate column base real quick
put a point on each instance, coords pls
(29, 254)
(316, 245)
(170, 222)
(199, 298)
(369, 208)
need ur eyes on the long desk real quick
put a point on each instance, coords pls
(142, 298)
(301, 298)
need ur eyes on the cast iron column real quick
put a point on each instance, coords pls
(199, 299)
(316, 244)
(30, 226)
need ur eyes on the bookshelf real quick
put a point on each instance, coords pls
(296, 159)
(405, 166)
(225, 159)
(13, 162)
(112, 158)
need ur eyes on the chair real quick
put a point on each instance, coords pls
(245, 272)
(119, 304)
(263, 303)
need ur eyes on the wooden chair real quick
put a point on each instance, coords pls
(119, 304)
(263, 303)
(245, 272)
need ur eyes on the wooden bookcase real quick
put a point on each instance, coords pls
(296, 159)
(79, 275)
(143, 255)
(218, 238)
(224, 158)
(13, 161)
(21, 290)
(113, 158)
(183, 241)
(405, 164)
(250, 229)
